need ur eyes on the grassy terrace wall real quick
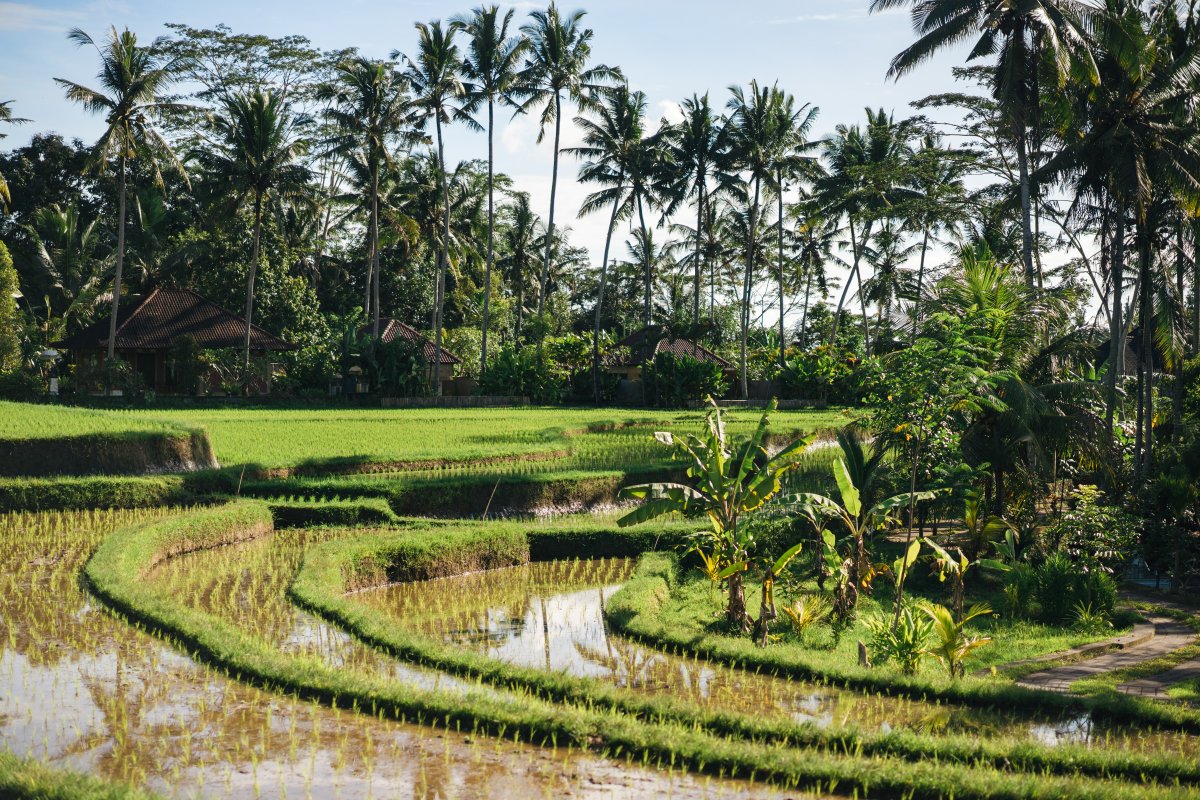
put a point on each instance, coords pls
(117, 574)
(337, 567)
(25, 779)
(634, 611)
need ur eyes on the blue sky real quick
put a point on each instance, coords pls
(830, 53)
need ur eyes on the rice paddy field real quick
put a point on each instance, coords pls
(341, 643)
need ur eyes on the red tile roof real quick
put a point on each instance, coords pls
(165, 315)
(392, 329)
(645, 344)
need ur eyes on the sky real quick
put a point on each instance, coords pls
(830, 53)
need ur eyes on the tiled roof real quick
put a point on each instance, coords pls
(645, 344)
(167, 314)
(392, 329)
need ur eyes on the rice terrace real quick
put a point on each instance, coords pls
(531, 402)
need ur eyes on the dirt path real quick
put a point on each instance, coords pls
(1169, 636)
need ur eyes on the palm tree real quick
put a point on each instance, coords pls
(791, 127)
(864, 181)
(556, 64)
(434, 77)
(370, 112)
(1139, 140)
(519, 237)
(131, 81)
(816, 236)
(610, 146)
(1027, 37)
(64, 250)
(697, 149)
(491, 67)
(6, 116)
(259, 146)
(752, 149)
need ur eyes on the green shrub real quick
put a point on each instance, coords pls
(1062, 585)
(905, 643)
(673, 381)
(1095, 535)
(524, 372)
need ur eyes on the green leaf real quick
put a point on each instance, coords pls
(733, 569)
(788, 555)
(850, 497)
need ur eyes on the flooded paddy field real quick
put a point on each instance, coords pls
(83, 689)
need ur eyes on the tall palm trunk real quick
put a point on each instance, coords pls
(699, 239)
(373, 269)
(782, 335)
(553, 191)
(804, 312)
(749, 281)
(250, 279)
(443, 257)
(612, 220)
(1116, 327)
(1026, 204)
(856, 250)
(116, 298)
(487, 273)
(920, 285)
(646, 256)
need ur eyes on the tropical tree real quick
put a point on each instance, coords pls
(697, 146)
(733, 478)
(132, 80)
(1029, 38)
(610, 149)
(434, 77)
(491, 67)
(520, 234)
(64, 251)
(7, 117)
(370, 113)
(952, 644)
(259, 146)
(556, 64)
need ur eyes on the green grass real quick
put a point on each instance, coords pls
(292, 437)
(684, 615)
(26, 779)
(333, 568)
(118, 575)
(35, 421)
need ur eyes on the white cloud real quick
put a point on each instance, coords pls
(23, 16)
(670, 111)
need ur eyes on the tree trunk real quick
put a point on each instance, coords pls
(782, 334)
(116, 298)
(443, 257)
(854, 275)
(553, 190)
(699, 244)
(600, 296)
(1148, 356)
(735, 613)
(1026, 205)
(250, 281)
(373, 269)
(646, 256)
(487, 273)
(920, 285)
(804, 313)
(1116, 327)
(749, 282)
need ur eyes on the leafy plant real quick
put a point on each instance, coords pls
(808, 611)
(951, 643)
(732, 479)
(1090, 620)
(675, 381)
(903, 642)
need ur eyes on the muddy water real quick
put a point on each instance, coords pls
(83, 690)
(550, 615)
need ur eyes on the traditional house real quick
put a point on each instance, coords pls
(147, 329)
(633, 352)
(393, 330)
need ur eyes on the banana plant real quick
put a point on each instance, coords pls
(953, 568)
(859, 523)
(981, 529)
(731, 479)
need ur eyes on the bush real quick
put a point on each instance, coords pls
(905, 643)
(677, 381)
(524, 372)
(21, 386)
(822, 372)
(1062, 586)
(1094, 535)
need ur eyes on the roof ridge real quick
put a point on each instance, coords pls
(134, 312)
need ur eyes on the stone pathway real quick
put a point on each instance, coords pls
(1169, 636)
